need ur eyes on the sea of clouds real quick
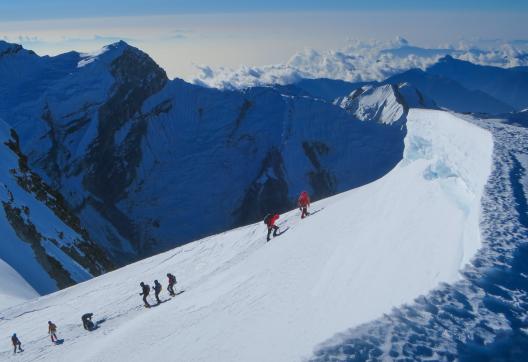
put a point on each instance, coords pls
(363, 61)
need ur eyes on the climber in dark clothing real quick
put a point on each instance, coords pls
(172, 282)
(52, 331)
(145, 292)
(157, 290)
(16, 342)
(87, 321)
(269, 220)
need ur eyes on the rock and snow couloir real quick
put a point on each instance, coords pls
(43, 243)
(359, 254)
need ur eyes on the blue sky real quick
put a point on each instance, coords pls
(47, 9)
(179, 34)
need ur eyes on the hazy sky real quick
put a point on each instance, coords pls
(178, 34)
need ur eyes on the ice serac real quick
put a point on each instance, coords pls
(359, 254)
(459, 156)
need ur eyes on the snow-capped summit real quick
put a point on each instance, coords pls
(108, 53)
(386, 104)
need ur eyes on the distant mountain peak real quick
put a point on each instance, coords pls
(447, 58)
(119, 44)
(11, 49)
(5, 45)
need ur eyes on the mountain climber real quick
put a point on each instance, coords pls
(172, 282)
(157, 289)
(16, 342)
(52, 331)
(304, 204)
(145, 292)
(87, 321)
(269, 220)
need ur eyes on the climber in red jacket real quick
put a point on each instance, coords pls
(269, 220)
(304, 203)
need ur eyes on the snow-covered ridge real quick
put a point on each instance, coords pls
(360, 253)
(482, 317)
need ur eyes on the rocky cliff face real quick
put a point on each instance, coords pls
(43, 238)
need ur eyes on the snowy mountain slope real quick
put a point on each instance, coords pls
(124, 144)
(258, 155)
(42, 239)
(386, 104)
(13, 288)
(25, 75)
(507, 85)
(363, 252)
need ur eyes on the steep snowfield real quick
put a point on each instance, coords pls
(380, 104)
(362, 252)
(13, 288)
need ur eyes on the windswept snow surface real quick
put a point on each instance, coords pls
(481, 317)
(360, 253)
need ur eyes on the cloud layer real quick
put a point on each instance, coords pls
(363, 61)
